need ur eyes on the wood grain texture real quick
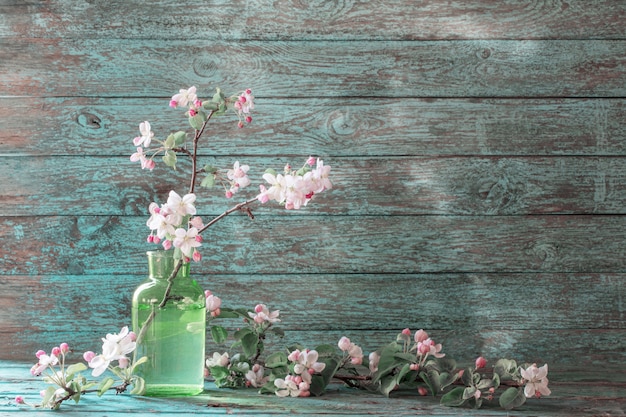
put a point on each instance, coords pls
(106, 186)
(377, 127)
(478, 152)
(338, 401)
(498, 68)
(347, 244)
(323, 20)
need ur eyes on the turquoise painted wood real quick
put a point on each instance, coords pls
(338, 401)
(479, 159)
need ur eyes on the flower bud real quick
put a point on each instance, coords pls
(20, 400)
(40, 353)
(480, 362)
(64, 347)
(423, 391)
(344, 344)
(420, 336)
(406, 332)
(88, 356)
(56, 351)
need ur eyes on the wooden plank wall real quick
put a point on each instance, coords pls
(478, 151)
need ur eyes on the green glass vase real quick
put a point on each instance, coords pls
(170, 333)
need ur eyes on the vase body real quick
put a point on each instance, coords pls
(173, 339)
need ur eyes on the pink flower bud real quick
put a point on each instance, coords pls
(197, 256)
(56, 351)
(40, 353)
(216, 312)
(167, 244)
(248, 119)
(242, 99)
(192, 112)
(20, 400)
(422, 391)
(150, 164)
(132, 336)
(248, 91)
(156, 240)
(173, 104)
(304, 394)
(311, 161)
(229, 194)
(150, 239)
(414, 367)
(88, 356)
(420, 336)
(240, 124)
(406, 332)
(258, 308)
(293, 356)
(64, 347)
(344, 344)
(481, 362)
(357, 360)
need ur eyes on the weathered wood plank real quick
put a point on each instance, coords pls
(566, 399)
(376, 301)
(372, 186)
(329, 126)
(499, 68)
(110, 245)
(290, 19)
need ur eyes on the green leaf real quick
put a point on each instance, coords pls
(388, 384)
(219, 372)
(139, 386)
(138, 362)
(505, 368)
(406, 357)
(239, 334)
(105, 385)
(326, 350)
(74, 369)
(170, 158)
(250, 344)
(169, 142)
(469, 393)
(512, 397)
(197, 121)
(446, 379)
(276, 359)
(180, 138)
(484, 384)
(210, 105)
(219, 334)
(454, 398)
(208, 181)
(270, 171)
(388, 361)
(48, 394)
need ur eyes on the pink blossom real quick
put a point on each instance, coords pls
(185, 240)
(146, 135)
(184, 97)
(262, 315)
(406, 332)
(536, 380)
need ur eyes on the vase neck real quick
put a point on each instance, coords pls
(162, 263)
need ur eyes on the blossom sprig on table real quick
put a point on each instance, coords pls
(67, 382)
(413, 361)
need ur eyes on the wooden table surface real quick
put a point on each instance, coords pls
(567, 399)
